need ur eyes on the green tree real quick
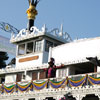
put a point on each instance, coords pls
(3, 58)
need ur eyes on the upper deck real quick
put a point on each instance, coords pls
(78, 86)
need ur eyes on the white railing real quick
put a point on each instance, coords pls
(83, 80)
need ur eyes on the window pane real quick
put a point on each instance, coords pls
(29, 47)
(48, 45)
(38, 46)
(21, 49)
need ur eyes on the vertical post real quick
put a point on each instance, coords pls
(25, 73)
(79, 97)
(50, 53)
(68, 70)
(98, 68)
(95, 68)
(30, 23)
(31, 13)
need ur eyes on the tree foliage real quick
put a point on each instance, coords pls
(3, 58)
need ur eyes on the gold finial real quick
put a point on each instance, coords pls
(31, 11)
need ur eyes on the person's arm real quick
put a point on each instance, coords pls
(62, 65)
(45, 69)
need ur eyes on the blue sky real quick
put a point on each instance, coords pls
(80, 18)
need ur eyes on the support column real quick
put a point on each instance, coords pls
(95, 68)
(50, 53)
(40, 98)
(98, 95)
(59, 97)
(98, 70)
(79, 97)
(24, 99)
(25, 74)
(67, 73)
(55, 98)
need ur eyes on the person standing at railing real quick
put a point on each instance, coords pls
(51, 70)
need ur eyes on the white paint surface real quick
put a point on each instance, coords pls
(77, 51)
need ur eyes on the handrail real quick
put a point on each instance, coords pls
(55, 83)
(70, 76)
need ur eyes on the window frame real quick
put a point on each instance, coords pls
(32, 47)
(46, 43)
(38, 48)
(20, 49)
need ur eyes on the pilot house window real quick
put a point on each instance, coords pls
(29, 47)
(21, 49)
(38, 46)
(48, 45)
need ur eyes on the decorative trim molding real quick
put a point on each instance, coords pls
(26, 34)
(56, 94)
